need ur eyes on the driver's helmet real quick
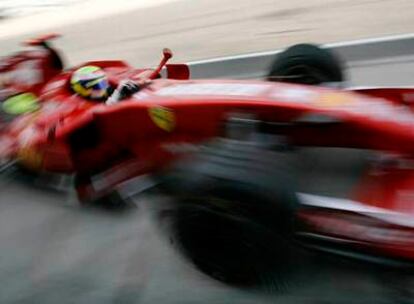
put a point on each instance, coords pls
(90, 82)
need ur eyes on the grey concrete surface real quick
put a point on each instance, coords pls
(394, 71)
(52, 251)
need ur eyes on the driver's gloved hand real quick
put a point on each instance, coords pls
(125, 89)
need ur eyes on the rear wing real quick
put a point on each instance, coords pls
(27, 71)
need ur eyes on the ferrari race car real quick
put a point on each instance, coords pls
(265, 163)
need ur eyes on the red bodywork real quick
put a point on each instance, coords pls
(26, 72)
(169, 118)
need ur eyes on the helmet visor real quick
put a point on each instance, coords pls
(98, 87)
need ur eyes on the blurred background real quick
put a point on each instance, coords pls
(137, 30)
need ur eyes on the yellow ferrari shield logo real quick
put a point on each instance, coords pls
(164, 118)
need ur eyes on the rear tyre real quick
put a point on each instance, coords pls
(307, 64)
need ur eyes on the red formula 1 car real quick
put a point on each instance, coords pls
(331, 167)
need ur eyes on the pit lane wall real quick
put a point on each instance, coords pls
(384, 50)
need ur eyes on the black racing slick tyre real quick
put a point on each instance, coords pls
(307, 64)
(235, 213)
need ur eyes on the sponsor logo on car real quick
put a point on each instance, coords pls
(21, 104)
(162, 117)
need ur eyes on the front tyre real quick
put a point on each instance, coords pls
(234, 215)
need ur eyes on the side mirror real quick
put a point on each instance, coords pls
(167, 55)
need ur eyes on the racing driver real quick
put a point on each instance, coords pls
(92, 83)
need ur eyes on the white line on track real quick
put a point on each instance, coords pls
(382, 39)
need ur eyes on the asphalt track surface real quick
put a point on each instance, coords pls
(53, 251)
